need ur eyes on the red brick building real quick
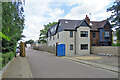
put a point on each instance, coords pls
(100, 32)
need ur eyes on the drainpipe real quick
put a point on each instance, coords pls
(75, 42)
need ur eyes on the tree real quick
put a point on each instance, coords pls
(43, 32)
(29, 41)
(12, 25)
(118, 35)
(115, 17)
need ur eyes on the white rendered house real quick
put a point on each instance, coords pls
(75, 34)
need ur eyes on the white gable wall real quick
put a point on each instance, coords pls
(82, 40)
(64, 38)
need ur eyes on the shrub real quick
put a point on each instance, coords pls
(1, 62)
(7, 57)
(117, 44)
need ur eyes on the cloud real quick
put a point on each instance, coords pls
(37, 15)
(41, 12)
(97, 8)
(56, 13)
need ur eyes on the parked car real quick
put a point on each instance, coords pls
(17, 50)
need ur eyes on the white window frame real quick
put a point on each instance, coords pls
(107, 34)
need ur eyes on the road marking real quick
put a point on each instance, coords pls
(87, 58)
(29, 68)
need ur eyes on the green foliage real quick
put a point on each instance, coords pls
(117, 44)
(1, 60)
(4, 36)
(7, 57)
(12, 25)
(115, 17)
(43, 32)
(29, 41)
(118, 35)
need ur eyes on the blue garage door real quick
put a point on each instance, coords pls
(61, 50)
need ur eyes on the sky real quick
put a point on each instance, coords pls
(40, 12)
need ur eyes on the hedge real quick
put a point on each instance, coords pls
(6, 58)
(115, 44)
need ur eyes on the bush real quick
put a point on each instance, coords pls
(7, 57)
(1, 60)
(117, 44)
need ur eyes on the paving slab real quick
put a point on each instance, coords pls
(106, 60)
(19, 68)
(95, 64)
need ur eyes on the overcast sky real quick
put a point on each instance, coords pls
(41, 12)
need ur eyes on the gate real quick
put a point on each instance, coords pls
(61, 50)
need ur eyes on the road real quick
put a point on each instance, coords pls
(44, 65)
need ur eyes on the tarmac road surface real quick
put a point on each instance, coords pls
(44, 65)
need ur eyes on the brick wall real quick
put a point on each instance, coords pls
(114, 50)
(94, 40)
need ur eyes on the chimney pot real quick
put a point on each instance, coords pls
(87, 19)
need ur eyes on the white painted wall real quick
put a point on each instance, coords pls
(82, 40)
(64, 38)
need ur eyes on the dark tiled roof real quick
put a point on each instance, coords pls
(65, 25)
(69, 24)
(95, 25)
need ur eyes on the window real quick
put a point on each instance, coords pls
(58, 35)
(84, 33)
(71, 33)
(84, 46)
(71, 46)
(106, 33)
(106, 38)
(94, 35)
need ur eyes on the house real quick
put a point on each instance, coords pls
(75, 34)
(100, 32)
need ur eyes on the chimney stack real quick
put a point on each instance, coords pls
(87, 19)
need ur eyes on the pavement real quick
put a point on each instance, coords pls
(19, 68)
(47, 65)
(101, 59)
(104, 62)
